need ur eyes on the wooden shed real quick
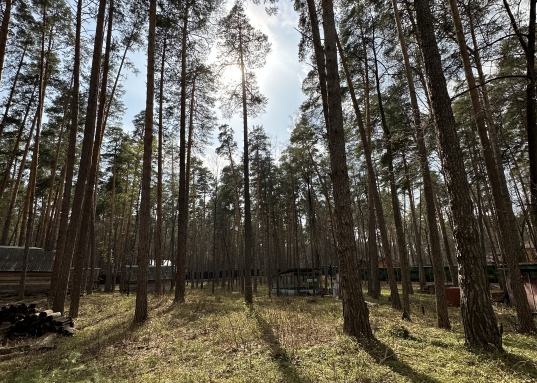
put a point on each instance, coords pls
(297, 281)
(166, 272)
(38, 272)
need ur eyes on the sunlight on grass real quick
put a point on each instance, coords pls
(283, 339)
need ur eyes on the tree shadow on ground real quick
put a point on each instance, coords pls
(383, 354)
(278, 353)
(526, 344)
(512, 362)
(192, 309)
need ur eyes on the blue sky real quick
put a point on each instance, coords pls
(280, 79)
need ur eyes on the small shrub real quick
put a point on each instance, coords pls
(399, 332)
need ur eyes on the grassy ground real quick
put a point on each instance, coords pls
(283, 339)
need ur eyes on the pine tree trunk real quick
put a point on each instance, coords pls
(69, 163)
(65, 254)
(182, 226)
(13, 88)
(158, 229)
(82, 254)
(417, 231)
(512, 245)
(438, 267)
(144, 245)
(50, 239)
(401, 243)
(452, 269)
(30, 195)
(4, 31)
(46, 218)
(374, 276)
(248, 232)
(355, 312)
(479, 321)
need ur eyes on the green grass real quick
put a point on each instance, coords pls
(283, 339)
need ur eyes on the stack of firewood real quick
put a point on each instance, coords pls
(27, 320)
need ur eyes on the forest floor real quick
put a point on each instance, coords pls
(283, 339)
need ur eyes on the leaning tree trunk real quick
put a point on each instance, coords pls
(30, 194)
(438, 268)
(511, 242)
(65, 254)
(82, 254)
(400, 235)
(12, 92)
(479, 321)
(43, 232)
(4, 31)
(70, 161)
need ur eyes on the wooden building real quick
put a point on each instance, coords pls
(297, 281)
(166, 273)
(38, 271)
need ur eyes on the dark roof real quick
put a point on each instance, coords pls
(38, 259)
(166, 272)
(300, 269)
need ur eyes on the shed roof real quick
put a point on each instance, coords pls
(39, 260)
(300, 270)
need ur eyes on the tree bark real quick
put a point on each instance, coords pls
(4, 31)
(512, 246)
(70, 161)
(46, 219)
(400, 236)
(355, 312)
(441, 302)
(479, 321)
(445, 238)
(66, 253)
(30, 195)
(83, 252)
(144, 244)
(248, 233)
(158, 229)
(182, 226)
(13, 88)
(527, 42)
